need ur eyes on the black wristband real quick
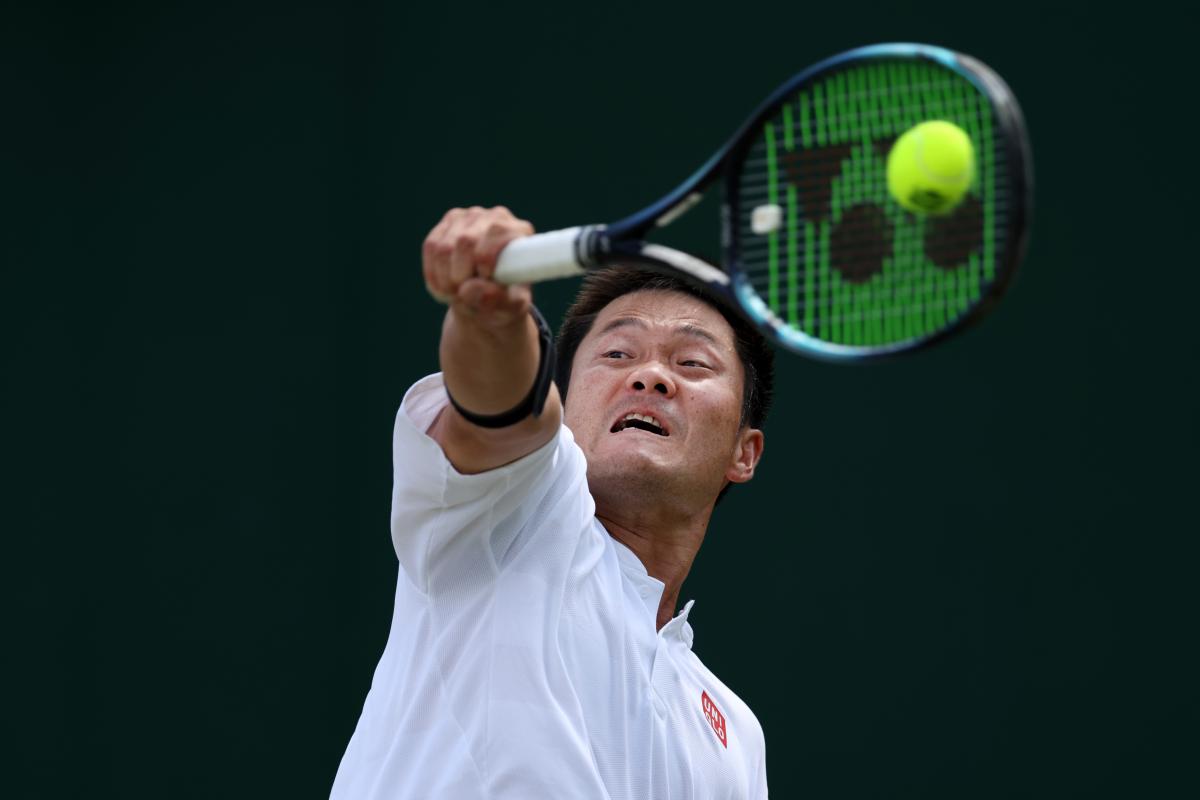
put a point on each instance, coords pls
(535, 401)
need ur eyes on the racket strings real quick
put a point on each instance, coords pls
(846, 264)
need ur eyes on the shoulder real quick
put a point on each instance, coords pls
(445, 521)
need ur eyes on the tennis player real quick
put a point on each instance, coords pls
(543, 534)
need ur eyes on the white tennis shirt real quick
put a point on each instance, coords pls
(523, 660)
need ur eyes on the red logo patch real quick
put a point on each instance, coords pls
(714, 717)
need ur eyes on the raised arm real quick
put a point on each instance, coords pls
(489, 349)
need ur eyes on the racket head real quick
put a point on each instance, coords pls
(849, 274)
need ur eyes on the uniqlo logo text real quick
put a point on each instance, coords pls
(714, 717)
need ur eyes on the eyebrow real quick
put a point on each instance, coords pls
(687, 329)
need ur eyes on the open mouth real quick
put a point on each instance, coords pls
(643, 422)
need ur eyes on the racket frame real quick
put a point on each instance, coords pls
(573, 251)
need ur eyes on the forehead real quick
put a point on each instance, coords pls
(662, 311)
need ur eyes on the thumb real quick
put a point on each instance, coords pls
(492, 303)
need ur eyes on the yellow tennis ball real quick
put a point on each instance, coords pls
(930, 167)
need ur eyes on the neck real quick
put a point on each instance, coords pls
(665, 544)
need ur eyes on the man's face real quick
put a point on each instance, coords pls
(670, 357)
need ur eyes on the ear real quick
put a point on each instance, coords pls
(746, 453)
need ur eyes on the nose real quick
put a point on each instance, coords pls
(649, 376)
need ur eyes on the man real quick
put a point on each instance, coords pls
(534, 650)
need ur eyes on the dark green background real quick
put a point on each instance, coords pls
(964, 574)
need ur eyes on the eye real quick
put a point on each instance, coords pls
(615, 354)
(691, 362)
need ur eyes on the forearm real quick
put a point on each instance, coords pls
(490, 369)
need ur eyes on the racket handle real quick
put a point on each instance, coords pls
(543, 256)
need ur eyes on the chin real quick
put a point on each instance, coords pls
(632, 473)
(636, 451)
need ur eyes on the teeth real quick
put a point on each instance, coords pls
(643, 418)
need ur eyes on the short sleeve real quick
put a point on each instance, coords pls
(451, 527)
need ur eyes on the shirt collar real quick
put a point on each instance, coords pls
(651, 589)
(678, 627)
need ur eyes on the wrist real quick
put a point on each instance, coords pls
(535, 399)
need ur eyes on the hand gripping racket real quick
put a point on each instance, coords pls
(816, 251)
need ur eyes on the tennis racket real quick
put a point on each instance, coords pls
(815, 251)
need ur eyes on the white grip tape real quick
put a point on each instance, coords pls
(540, 257)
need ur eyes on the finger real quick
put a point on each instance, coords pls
(519, 297)
(439, 233)
(476, 294)
(492, 303)
(439, 296)
(435, 266)
(498, 235)
(462, 258)
(436, 251)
